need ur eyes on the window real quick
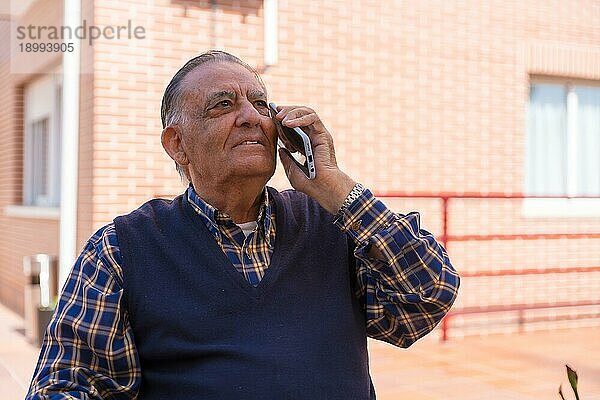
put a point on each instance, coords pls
(563, 140)
(41, 177)
(39, 141)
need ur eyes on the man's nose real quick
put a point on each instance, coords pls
(248, 115)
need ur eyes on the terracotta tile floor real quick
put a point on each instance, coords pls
(503, 367)
(519, 366)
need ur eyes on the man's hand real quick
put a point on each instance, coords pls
(330, 186)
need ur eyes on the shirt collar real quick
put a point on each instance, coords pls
(213, 217)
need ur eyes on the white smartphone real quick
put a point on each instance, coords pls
(296, 141)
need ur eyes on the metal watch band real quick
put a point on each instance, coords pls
(353, 195)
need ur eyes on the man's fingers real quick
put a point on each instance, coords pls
(294, 110)
(301, 120)
(289, 114)
(301, 116)
(308, 119)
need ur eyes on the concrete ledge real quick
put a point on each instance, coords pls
(32, 212)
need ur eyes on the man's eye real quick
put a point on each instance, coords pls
(224, 103)
(262, 107)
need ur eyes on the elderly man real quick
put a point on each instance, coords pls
(234, 290)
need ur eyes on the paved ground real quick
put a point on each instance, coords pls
(17, 356)
(527, 366)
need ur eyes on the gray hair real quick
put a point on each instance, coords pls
(172, 110)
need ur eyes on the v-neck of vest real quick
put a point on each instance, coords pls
(226, 268)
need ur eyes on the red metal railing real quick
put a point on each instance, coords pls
(446, 238)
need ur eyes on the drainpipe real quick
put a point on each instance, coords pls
(270, 32)
(69, 146)
(213, 24)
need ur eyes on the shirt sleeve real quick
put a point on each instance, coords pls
(409, 288)
(88, 351)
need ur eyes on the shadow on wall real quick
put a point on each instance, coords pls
(242, 7)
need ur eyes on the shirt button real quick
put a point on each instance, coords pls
(356, 225)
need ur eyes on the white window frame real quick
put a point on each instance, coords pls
(567, 206)
(42, 99)
(564, 207)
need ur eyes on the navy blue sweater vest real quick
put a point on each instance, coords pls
(203, 332)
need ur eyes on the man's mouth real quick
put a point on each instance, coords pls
(249, 142)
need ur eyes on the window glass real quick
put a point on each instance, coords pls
(547, 140)
(41, 177)
(563, 140)
(588, 140)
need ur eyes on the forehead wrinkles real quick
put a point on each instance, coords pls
(206, 80)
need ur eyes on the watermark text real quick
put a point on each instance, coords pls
(42, 33)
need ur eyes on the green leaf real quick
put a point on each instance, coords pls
(572, 375)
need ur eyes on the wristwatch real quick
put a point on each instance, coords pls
(353, 195)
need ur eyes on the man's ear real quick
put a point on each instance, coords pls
(171, 142)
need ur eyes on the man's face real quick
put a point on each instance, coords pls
(227, 134)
